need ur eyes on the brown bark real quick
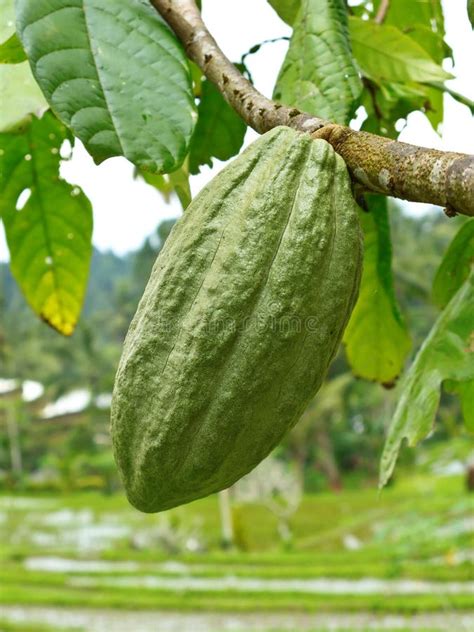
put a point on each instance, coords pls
(378, 164)
(382, 12)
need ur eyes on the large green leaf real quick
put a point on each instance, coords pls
(115, 74)
(384, 53)
(19, 92)
(219, 131)
(11, 51)
(48, 223)
(470, 11)
(377, 341)
(318, 74)
(454, 269)
(396, 101)
(455, 266)
(446, 354)
(286, 9)
(433, 43)
(423, 22)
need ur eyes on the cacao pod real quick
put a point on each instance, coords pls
(244, 310)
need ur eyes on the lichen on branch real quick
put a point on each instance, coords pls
(378, 164)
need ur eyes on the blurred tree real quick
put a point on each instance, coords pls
(340, 434)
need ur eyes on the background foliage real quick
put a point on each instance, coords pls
(118, 80)
(114, 77)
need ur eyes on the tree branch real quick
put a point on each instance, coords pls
(382, 12)
(378, 164)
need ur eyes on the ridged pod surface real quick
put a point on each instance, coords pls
(243, 312)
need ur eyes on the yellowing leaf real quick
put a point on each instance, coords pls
(48, 223)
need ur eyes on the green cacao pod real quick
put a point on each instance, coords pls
(243, 312)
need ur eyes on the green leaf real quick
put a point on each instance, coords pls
(432, 42)
(384, 53)
(408, 14)
(470, 11)
(465, 392)
(11, 51)
(455, 266)
(48, 223)
(423, 22)
(219, 131)
(377, 341)
(446, 354)
(159, 181)
(166, 184)
(434, 108)
(398, 100)
(460, 98)
(393, 101)
(452, 273)
(115, 74)
(19, 92)
(286, 9)
(180, 182)
(7, 19)
(318, 74)
(20, 95)
(197, 78)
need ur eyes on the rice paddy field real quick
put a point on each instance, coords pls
(358, 560)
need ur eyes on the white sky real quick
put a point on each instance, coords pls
(126, 211)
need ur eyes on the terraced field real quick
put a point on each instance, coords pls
(358, 561)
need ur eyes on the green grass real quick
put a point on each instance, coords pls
(8, 626)
(286, 569)
(320, 522)
(35, 626)
(34, 594)
(414, 530)
(57, 589)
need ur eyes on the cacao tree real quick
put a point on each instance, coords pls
(262, 277)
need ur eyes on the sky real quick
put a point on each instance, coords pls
(127, 210)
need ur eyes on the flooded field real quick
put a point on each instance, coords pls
(106, 620)
(90, 562)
